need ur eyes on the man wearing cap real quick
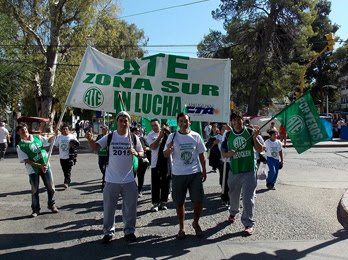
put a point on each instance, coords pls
(102, 154)
(238, 146)
(119, 177)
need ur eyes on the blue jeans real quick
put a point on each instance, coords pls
(273, 165)
(34, 180)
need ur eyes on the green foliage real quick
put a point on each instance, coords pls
(50, 37)
(264, 38)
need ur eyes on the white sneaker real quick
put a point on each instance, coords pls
(154, 208)
(163, 206)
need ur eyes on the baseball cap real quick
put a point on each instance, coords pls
(122, 113)
(104, 126)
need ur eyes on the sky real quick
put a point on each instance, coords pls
(186, 25)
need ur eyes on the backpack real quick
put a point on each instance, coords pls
(134, 141)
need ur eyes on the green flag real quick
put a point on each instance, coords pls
(118, 109)
(146, 123)
(302, 123)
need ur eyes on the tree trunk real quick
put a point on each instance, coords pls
(269, 30)
(46, 100)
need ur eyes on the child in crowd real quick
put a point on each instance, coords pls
(274, 152)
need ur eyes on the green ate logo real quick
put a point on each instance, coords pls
(35, 147)
(186, 157)
(93, 97)
(295, 125)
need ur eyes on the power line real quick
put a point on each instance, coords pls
(165, 8)
(140, 46)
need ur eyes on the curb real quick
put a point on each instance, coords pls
(342, 210)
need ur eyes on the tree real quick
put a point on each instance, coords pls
(324, 70)
(48, 29)
(264, 36)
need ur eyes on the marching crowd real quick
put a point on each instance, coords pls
(177, 161)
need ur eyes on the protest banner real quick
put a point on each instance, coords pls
(155, 86)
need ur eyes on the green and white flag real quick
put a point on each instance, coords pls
(156, 86)
(118, 108)
(302, 123)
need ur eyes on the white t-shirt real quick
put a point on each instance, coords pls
(339, 124)
(151, 138)
(120, 167)
(3, 135)
(23, 156)
(185, 153)
(207, 130)
(273, 148)
(63, 142)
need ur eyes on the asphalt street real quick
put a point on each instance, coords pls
(298, 220)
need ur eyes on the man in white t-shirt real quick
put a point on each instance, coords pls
(188, 172)
(63, 142)
(119, 177)
(159, 172)
(4, 140)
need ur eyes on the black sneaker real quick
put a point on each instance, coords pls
(131, 237)
(106, 239)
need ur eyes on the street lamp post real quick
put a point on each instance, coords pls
(327, 96)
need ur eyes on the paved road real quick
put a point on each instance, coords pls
(298, 220)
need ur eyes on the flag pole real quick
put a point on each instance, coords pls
(272, 118)
(55, 134)
(239, 147)
(224, 176)
(129, 137)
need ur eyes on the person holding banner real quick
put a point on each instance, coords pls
(119, 177)
(188, 172)
(31, 151)
(239, 146)
(62, 142)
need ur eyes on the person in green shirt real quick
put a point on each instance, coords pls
(31, 151)
(239, 146)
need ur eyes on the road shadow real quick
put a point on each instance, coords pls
(292, 254)
(151, 246)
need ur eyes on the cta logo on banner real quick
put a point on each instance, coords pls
(155, 86)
